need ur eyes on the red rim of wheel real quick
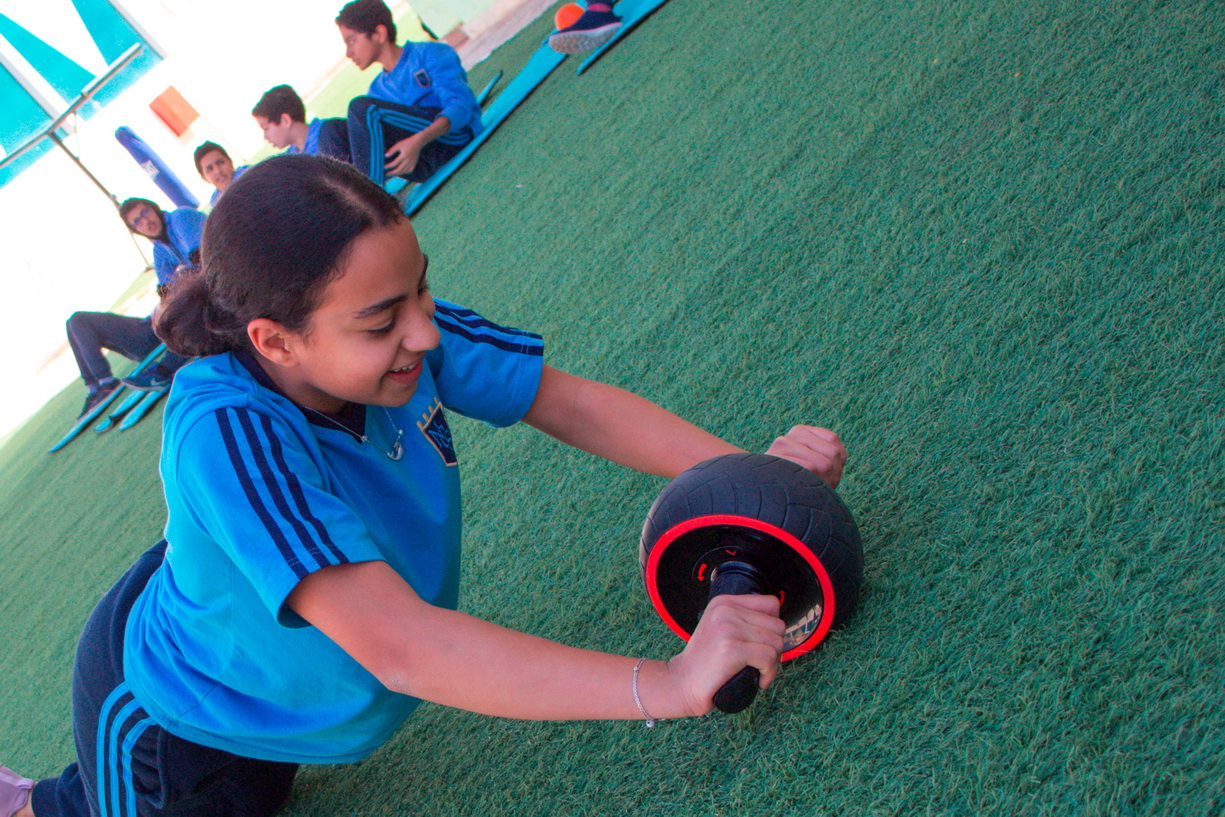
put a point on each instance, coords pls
(678, 530)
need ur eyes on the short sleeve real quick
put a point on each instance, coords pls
(255, 491)
(483, 370)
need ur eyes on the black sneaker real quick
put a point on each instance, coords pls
(96, 396)
(153, 378)
(588, 33)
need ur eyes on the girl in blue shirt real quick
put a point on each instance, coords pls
(304, 600)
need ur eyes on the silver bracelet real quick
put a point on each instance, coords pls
(650, 722)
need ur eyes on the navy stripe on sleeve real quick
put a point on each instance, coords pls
(257, 504)
(226, 419)
(470, 318)
(294, 516)
(526, 343)
(295, 489)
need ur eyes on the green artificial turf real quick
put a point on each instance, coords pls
(982, 242)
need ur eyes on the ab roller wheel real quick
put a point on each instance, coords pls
(752, 523)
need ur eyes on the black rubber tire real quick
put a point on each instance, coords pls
(775, 492)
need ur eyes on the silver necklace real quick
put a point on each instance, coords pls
(397, 449)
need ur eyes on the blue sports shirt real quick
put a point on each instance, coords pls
(260, 494)
(184, 227)
(312, 140)
(430, 75)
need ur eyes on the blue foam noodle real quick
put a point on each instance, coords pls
(83, 422)
(142, 408)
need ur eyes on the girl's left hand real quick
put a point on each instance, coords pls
(817, 449)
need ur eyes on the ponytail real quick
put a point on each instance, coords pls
(190, 324)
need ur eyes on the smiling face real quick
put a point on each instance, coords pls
(367, 339)
(144, 220)
(217, 169)
(276, 131)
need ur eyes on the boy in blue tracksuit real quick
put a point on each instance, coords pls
(281, 115)
(419, 111)
(176, 242)
(175, 236)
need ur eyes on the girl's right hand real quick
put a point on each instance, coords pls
(818, 449)
(734, 632)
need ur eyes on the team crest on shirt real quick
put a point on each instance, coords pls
(422, 78)
(433, 425)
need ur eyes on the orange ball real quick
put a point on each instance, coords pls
(567, 16)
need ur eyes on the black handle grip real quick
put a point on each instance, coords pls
(737, 579)
(739, 691)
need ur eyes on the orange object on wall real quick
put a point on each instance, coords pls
(174, 110)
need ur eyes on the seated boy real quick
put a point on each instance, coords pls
(281, 115)
(419, 104)
(176, 242)
(215, 167)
